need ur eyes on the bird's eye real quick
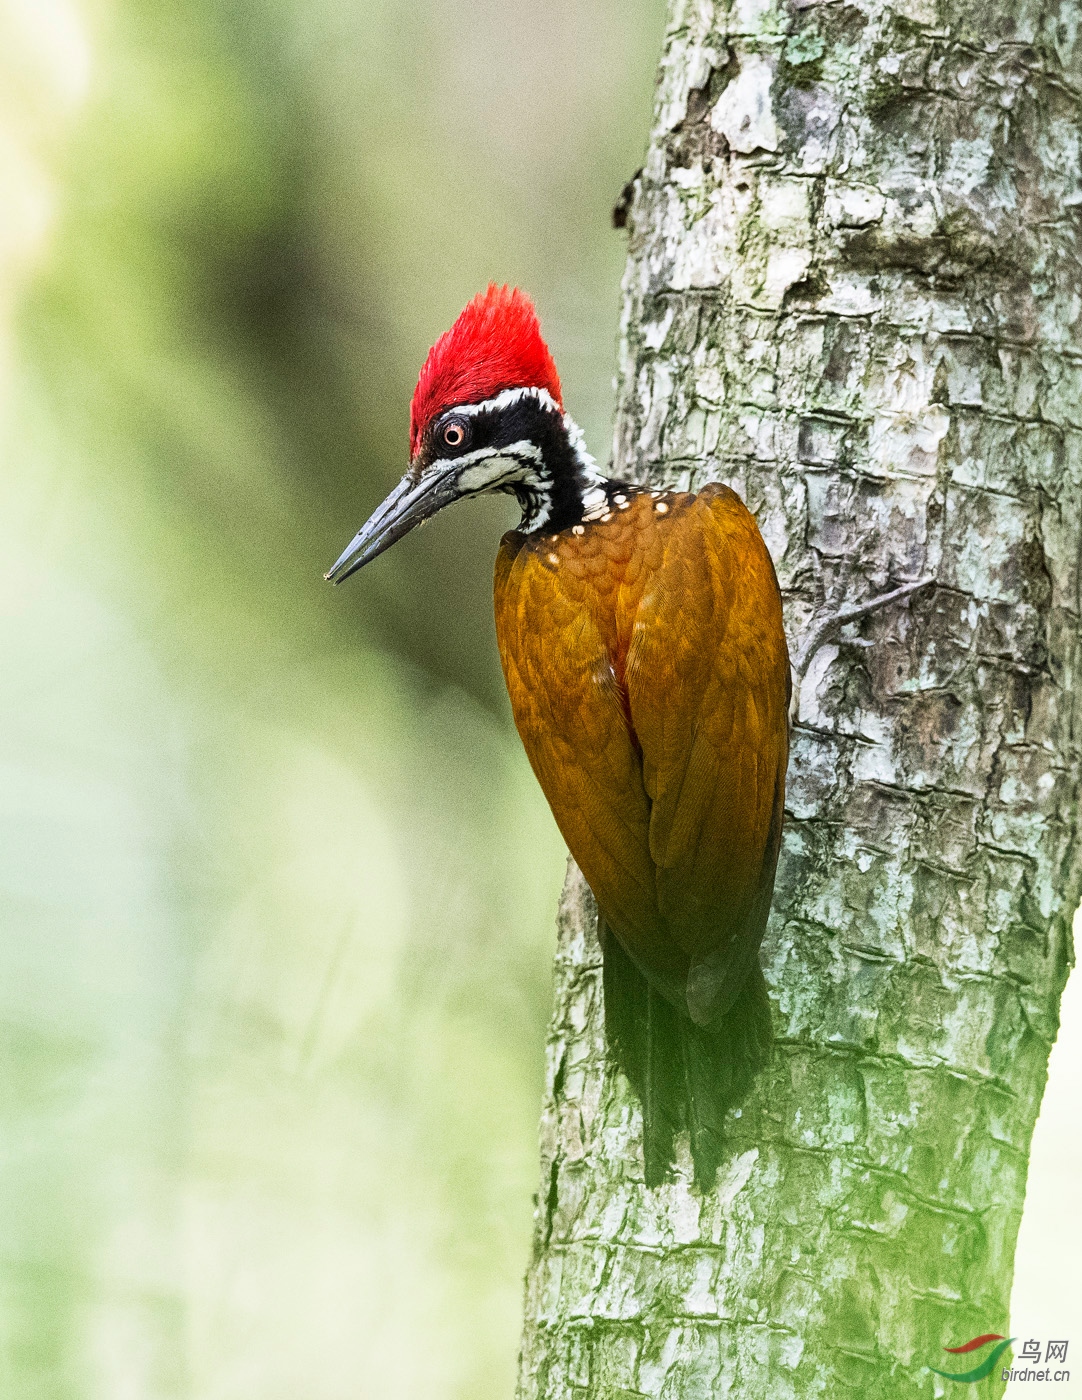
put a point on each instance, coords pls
(454, 433)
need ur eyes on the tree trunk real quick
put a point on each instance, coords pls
(853, 295)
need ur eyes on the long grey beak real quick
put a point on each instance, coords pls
(408, 504)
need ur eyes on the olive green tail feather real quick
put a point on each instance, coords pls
(685, 1076)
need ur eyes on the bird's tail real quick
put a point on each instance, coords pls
(684, 1075)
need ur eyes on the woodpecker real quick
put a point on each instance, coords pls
(642, 644)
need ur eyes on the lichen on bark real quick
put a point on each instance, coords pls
(853, 294)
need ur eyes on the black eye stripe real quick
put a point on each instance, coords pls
(459, 433)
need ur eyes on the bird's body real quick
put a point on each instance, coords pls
(642, 644)
(652, 705)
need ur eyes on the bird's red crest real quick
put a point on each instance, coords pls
(495, 344)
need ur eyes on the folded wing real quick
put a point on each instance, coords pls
(661, 747)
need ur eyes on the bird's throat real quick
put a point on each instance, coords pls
(564, 488)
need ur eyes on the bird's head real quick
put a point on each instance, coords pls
(487, 415)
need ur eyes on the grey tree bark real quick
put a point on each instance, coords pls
(853, 293)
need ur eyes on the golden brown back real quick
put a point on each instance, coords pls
(649, 679)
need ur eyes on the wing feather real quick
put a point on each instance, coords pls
(707, 695)
(569, 714)
(676, 825)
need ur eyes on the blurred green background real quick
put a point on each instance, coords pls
(278, 887)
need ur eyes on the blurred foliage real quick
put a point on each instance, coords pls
(277, 884)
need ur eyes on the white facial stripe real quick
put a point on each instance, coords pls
(490, 468)
(493, 470)
(506, 398)
(591, 477)
(484, 475)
